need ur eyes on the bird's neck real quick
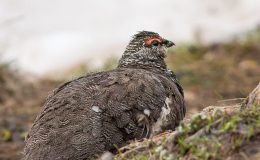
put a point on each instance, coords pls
(144, 61)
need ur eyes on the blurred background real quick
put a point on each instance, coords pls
(44, 43)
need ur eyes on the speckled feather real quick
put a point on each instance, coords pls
(90, 115)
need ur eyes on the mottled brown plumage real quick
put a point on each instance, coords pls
(90, 115)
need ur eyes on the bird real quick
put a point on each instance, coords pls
(102, 111)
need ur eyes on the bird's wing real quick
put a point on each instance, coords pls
(138, 98)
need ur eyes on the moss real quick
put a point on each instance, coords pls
(250, 132)
(183, 146)
(229, 124)
(142, 157)
(6, 134)
(237, 142)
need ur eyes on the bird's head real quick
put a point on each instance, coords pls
(145, 47)
(146, 41)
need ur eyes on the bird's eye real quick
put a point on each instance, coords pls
(155, 43)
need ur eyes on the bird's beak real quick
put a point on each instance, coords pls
(168, 43)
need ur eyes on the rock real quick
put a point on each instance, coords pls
(253, 98)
